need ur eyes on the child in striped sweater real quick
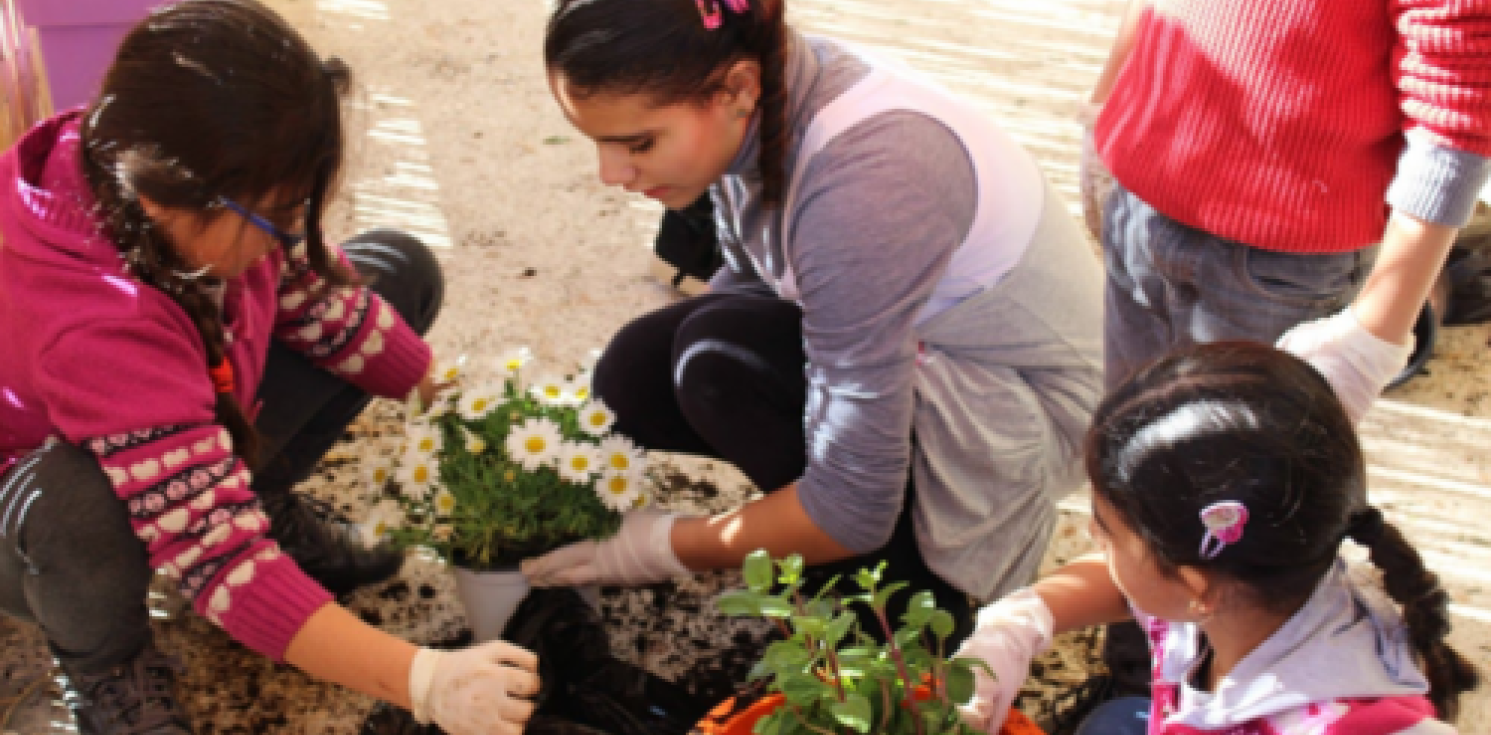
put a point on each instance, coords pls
(181, 348)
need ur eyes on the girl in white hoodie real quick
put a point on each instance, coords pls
(1224, 479)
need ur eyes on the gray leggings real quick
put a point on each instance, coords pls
(69, 560)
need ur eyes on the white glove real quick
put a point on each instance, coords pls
(640, 553)
(1354, 361)
(481, 690)
(1093, 179)
(1010, 633)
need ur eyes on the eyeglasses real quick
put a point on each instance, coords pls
(286, 240)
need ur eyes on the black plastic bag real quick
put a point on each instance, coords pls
(585, 690)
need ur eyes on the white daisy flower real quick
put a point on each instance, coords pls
(618, 490)
(619, 454)
(577, 390)
(445, 503)
(475, 444)
(385, 516)
(578, 462)
(377, 470)
(476, 404)
(423, 439)
(514, 360)
(450, 372)
(550, 390)
(417, 474)
(596, 419)
(534, 444)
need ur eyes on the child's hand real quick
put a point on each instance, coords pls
(1009, 634)
(1356, 363)
(481, 690)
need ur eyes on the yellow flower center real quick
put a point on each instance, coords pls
(380, 475)
(582, 393)
(480, 405)
(445, 503)
(552, 391)
(597, 419)
(534, 444)
(421, 474)
(620, 461)
(617, 485)
(510, 476)
(427, 444)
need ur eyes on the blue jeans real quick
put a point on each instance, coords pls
(1126, 716)
(1171, 285)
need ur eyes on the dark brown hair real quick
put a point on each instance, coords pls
(1245, 422)
(212, 99)
(661, 48)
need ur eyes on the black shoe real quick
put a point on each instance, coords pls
(687, 250)
(327, 546)
(133, 698)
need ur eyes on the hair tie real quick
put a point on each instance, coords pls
(1366, 527)
(222, 376)
(709, 10)
(1224, 521)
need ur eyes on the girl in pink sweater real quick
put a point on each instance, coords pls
(181, 347)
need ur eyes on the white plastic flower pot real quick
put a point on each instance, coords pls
(490, 598)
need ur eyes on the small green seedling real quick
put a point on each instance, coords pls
(834, 677)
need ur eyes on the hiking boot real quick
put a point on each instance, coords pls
(133, 698)
(326, 545)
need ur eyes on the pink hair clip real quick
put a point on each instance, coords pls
(1224, 521)
(710, 11)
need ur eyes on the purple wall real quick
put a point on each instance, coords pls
(78, 41)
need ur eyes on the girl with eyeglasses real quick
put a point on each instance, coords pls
(182, 346)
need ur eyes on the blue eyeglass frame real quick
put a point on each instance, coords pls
(287, 240)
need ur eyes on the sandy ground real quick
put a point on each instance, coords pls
(461, 144)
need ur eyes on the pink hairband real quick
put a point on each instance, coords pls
(710, 10)
(1224, 521)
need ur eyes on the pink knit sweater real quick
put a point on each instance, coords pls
(95, 358)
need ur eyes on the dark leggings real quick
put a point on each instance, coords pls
(69, 560)
(721, 375)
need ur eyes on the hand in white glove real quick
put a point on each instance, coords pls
(481, 690)
(1356, 363)
(640, 553)
(1010, 633)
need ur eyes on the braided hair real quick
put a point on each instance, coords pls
(1244, 422)
(205, 100)
(664, 49)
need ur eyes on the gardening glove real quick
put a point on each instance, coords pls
(1354, 361)
(481, 690)
(640, 553)
(1093, 179)
(1008, 636)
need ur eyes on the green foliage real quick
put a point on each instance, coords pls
(837, 679)
(499, 511)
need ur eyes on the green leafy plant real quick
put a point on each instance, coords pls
(492, 474)
(834, 678)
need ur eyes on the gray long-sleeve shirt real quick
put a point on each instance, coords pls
(880, 211)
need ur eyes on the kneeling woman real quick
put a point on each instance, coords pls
(903, 349)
